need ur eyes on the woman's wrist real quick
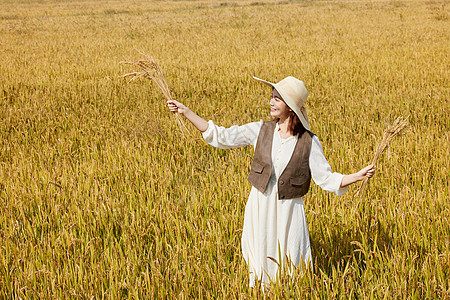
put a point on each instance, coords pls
(349, 179)
(366, 172)
(187, 113)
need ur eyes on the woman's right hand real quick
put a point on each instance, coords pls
(176, 106)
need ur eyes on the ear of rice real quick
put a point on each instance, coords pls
(389, 134)
(148, 68)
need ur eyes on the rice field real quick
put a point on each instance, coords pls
(103, 196)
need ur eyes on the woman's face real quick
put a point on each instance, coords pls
(278, 108)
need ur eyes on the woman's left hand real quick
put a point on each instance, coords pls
(368, 172)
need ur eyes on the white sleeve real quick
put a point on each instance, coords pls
(321, 171)
(233, 137)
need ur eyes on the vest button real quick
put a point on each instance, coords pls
(281, 182)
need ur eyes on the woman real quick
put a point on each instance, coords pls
(287, 155)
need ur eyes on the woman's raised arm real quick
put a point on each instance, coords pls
(177, 107)
(220, 137)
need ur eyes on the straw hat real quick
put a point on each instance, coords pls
(294, 93)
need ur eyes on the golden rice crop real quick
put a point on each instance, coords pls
(102, 196)
(151, 70)
(389, 134)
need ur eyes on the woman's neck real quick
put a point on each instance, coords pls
(283, 127)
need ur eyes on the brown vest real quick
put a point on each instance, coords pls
(295, 180)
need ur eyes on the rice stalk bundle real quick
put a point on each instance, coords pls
(150, 69)
(389, 134)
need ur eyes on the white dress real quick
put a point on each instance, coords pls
(270, 224)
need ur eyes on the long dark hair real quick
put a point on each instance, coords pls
(295, 126)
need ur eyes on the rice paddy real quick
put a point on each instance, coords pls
(103, 196)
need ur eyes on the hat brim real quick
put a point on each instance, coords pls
(289, 102)
(263, 81)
